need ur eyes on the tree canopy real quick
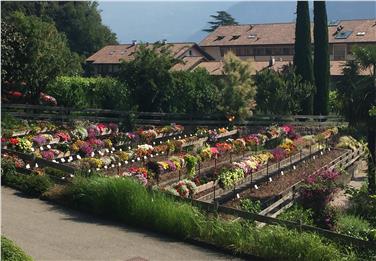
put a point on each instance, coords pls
(79, 20)
(281, 92)
(222, 18)
(45, 53)
(303, 51)
(237, 89)
(321, 59)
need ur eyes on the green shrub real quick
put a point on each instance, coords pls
(298, 214)
(253, 206)
(11, 252)
(95, 92)
(128, 201)
(362, 204)
(32, 185)
(353, 226)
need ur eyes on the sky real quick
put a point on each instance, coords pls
(178, 21)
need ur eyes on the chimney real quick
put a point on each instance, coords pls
(164, 41)
(134, 42)
(271, 61)
(250, 27)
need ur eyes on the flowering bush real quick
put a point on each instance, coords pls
(40, 140)
(184, 188)
(93, 131)
(80, 133)
(278, 154)
(148, 135)
(24, 145)
(317, 192)
(63, 136)
(229, 177)
(223, 147)
(47, 154)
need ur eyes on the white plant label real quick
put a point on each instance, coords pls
(97, 168)
(153, 142)
(282, 173)
(237, 195)
(119, 164)
(113, 165)
(126, 162)
(322, 153)
(92, 154)
(156, 154)
(294, 167)
(41, 148)
(121, 149)
(138, 159)
(314, 157)
(129, 148)
(49, 146)
(107, 150)
(113, 149)
(36, 165)
(105, 167)
(328, 149)
(132, 160)
(151, 156)
(62, 160)
(27, 166)
(79, 157)
(270, 180)
(256, 187)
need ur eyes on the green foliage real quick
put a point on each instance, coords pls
(281, 92)
(253, 206)
(80, 21)
(353, 226)
(46, 54)
(237, 88)
(222, 18)
(334, 104)
(95, 92)
(127, 201)
(151, 85)
(303, 52)
(298, 214)
(11, 252)
(363, 204)
(32, 185)
(229, 177)
(13, 48)
(321, 59)
(195, 92)
(354, 94)
(191, 162)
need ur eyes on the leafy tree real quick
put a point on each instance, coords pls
(148, 77)
(357, 95)
(95, 92)
(222, 18)
(237, 87)
(303, 52)
(281, 92)
(321, 59)
(79, 20)
(13, 49)
(195, 92)
(45, 56)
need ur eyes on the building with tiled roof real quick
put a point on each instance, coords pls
(261, 41)
(107, 60)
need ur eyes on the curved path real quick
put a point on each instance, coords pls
(50, 232)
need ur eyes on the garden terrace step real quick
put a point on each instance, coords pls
(222, 194)
(283, 200)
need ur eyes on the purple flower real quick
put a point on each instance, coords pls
(40, 140)
(278, 154)
(141, 178)
(86, 148)
(47, 154)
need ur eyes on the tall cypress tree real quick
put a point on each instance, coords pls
(303, 50)
(321, 59)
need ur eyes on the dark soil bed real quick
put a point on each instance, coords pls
(280, 183)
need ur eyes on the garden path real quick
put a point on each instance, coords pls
(341, 200)
(50, 232)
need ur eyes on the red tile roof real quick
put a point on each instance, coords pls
(216, 67)
(113, 54)
(284, 33)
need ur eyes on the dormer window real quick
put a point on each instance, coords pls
(360, 33)
(234, 37)
(219, 37)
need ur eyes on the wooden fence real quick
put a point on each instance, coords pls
(26, 111)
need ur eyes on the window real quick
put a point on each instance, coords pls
(343, 35)
(219, 37)
(260, 51)
(339, 52)
(234, 37)
(268, 51)
(190, 53)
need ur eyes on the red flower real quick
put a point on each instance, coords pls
(3, 140)
(14, 141)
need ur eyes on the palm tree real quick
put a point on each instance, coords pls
(366, 58)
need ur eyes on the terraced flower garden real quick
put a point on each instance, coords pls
(226, 170)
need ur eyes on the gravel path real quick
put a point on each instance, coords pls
(50, 232)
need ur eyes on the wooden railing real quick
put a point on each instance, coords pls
(157, 118)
